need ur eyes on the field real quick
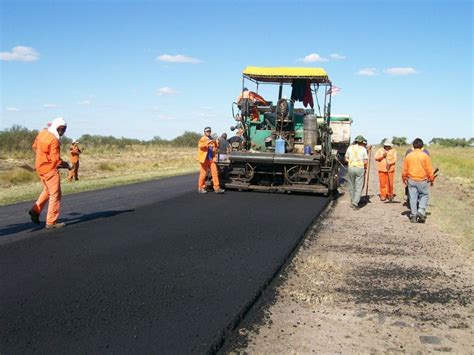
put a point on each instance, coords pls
(99, 168)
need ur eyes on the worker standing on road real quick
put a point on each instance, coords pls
(48, 161)
(386, 157)
(224, 147)
(74, 151)
(357, 158)
(207, 154)
(417, 174)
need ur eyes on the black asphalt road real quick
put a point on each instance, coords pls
(146, 268)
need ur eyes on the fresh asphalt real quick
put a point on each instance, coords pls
(153, 267)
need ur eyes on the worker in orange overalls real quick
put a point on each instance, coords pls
(207, 155)
(386, 157)
(74, 151)
(48, 161)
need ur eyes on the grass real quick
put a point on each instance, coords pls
(17, 176)
(455, 163)
(451, 204)
(99, 169)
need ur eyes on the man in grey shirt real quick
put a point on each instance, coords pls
(224, 147)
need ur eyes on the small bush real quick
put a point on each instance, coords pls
(107, 167)
(17, 176)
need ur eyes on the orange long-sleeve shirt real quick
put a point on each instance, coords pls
(417, 166)
(74, 151)
(203, 146)
(47, 149)
(389, 160)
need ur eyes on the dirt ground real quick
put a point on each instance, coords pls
(367, 281)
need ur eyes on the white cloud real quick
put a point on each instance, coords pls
(166, 91)
(367, 72)
(401, 71)
(336, 56)
(84, 102)
(20, 54)
(12, 109)
(313, 57)
(166, 117)
(50, 105)
(179, 58)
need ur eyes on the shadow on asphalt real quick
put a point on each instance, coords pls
(75, 219)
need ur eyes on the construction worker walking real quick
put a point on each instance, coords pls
(47, 163)
(357, 158)
(74, 151)
(386, 157)
(207, 155)
(417, 174)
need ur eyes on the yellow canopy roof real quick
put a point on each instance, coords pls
(286, 74)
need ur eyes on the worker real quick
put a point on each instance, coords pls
(417, 174)
(74, 151)
(207, 154)
(255, 99)
(237, 141)
(386, 157)
(47, 163)
(224, 147)
(252, 96)
(357, 159)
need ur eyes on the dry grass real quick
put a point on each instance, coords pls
(16, 176)
(99, 170)
(312, 281)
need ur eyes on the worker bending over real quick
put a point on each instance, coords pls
(47, 163)
(74, 151)
(255, 99)
(357, 158)
(386, 157)
(207, 155)
(417, 173)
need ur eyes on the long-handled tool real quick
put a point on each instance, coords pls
(389, 187)
(367, 172)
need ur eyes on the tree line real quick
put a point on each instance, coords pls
(444, 142)
(20, 139)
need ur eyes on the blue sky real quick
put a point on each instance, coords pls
(141, 69)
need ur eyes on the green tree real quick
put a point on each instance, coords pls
(187, 139)
(451, 142)
(399, 141)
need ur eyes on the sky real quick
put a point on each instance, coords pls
(141, 69)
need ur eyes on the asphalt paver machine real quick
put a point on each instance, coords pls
(281, 147)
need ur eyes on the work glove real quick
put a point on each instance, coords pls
(64, 165)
